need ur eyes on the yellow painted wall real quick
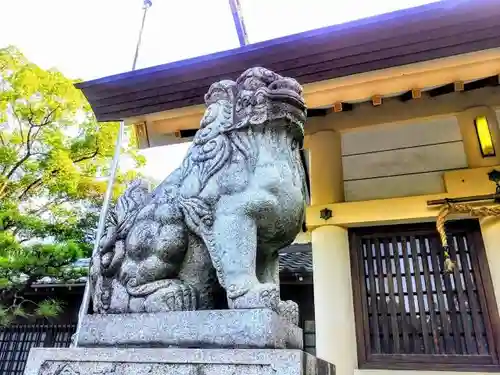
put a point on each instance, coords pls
(402, 210)
(325, 166)
(335, 338)
(326, 169)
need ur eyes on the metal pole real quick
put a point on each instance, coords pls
(470, 199)
(109, 190)
(239, 23)
(146, 6)
(100, 229)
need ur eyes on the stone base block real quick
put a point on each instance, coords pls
(248, 329)
(142, 361)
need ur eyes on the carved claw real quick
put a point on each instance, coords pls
(289, 311)
(267, 296)
(260, 296)
(176, 297)
(182, 297)
(270, 297)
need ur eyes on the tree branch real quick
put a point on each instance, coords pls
(24, 158)
(29, 139)
(29, 187)
(38, 181)
(19, 162)
(83, 158)
(46, 119)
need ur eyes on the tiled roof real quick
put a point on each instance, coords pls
(296, 258)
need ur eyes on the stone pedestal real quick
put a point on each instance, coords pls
(226, 342)
(142, 361)
(232, 329)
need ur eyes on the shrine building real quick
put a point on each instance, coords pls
(403, 120)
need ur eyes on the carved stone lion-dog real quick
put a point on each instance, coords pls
(220, 219)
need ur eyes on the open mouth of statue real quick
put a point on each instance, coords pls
(288, 96)
(287, 91)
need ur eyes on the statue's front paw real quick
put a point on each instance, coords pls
(176, 297)
(289, 311)
(258, 297)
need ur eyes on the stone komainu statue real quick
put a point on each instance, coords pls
(220, 219)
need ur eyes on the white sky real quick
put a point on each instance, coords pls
(94, 38)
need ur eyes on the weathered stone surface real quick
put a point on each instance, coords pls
(191, 329)
(84, 361)
(220, 219)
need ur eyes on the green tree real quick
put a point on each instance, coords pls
(54, 159)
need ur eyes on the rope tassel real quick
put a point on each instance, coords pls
(456, 208)
(449, 264)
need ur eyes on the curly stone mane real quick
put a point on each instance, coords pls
(211, 148)
(237, 114)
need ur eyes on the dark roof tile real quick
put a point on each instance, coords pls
(297, 261)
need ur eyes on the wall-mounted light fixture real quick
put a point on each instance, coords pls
(484, 136)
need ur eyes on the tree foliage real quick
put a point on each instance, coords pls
(54, 159)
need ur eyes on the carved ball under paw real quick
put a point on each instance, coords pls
(176, 297)
(289, 311)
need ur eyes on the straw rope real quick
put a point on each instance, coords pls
(458, 208)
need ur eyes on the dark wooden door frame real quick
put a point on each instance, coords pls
(486, 298)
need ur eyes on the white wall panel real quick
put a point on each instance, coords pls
(413, 160)
(401, 159)
(396, 186)
(401, 135)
